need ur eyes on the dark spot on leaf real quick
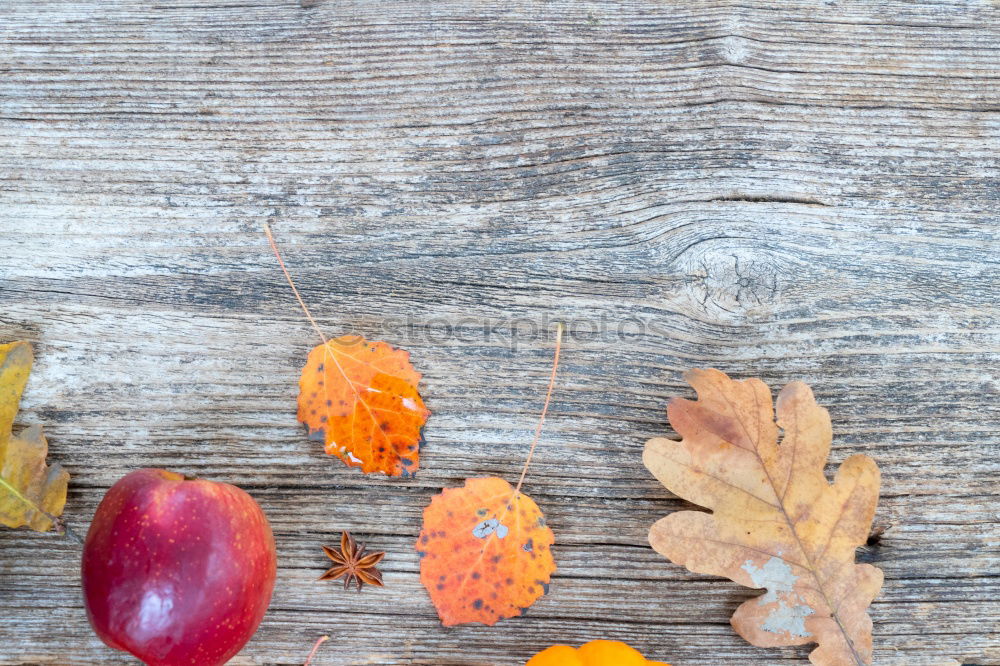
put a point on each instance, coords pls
(875, 538)
(477, 604)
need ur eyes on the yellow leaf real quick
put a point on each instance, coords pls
(776, 522)
(31, 493)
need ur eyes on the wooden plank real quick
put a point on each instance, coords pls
(785, 190)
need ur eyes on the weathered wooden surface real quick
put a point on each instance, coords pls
(790, 190)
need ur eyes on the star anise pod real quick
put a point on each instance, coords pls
(351, 563)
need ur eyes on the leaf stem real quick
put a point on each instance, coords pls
(319, 641)
(68, 532)
(277, 254)
(545, 408)
(60, 527)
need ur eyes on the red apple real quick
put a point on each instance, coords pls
(177, 571)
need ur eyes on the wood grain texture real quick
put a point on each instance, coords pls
(786, 189)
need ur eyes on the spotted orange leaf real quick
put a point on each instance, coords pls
(485, 552)
(360, 399)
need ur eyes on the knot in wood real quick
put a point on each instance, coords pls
(733, 284)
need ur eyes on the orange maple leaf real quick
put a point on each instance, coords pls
(776, 522)
(360, 399)
(485, 550)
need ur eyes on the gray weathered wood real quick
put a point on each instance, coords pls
(787, 189)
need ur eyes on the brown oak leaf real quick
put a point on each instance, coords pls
(775, 521)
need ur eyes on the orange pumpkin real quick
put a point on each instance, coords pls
(594, 653)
